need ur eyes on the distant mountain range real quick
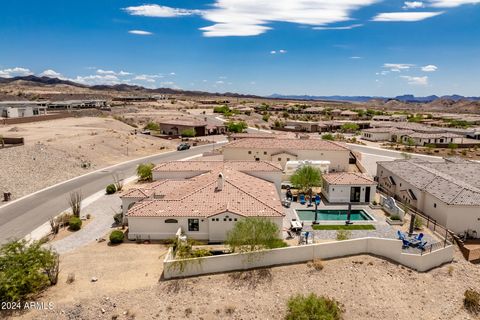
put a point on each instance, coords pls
(404, 98)
(408, 98)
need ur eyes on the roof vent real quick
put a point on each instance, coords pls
(220, 181)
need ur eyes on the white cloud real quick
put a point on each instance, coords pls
(173, 74)
(124, 73)
(273, 52)
(140, 32)
(220, 82)
(51, 74)
(15, 72)
(339, 28)
(101, 71)
(151, 78)
(155, 10)
(417, 81)
(405, 16)
(451, 3)
(413, 5)
(252, 17)
(397, 67)
(355, 57)
(96, 79)
(430, 68)
(281, 51)
(114, 73)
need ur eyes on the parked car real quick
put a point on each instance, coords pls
(183, 146)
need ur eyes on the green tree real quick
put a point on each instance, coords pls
(188, 133)
(144, 171)
(313, 307)
(452, 147)
(25, 270)
(236, 127)
(328, 136)
(306, 177)
(265, 117)
(153, 126)
(350, 127)
(253, 234)
(409, 143)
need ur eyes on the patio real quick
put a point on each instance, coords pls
(382, 228)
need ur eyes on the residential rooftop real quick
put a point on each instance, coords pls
(348, 178)
(203, 166)
(454, 181)
(287, 144)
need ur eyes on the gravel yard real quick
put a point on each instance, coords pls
(58, 150)
(128, 287)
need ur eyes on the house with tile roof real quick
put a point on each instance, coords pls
(348, 187)
(448, 190)
(203, 198)
(283, 150)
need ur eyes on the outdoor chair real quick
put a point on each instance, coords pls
(419, 237)
(406, 243)
(401, 236)
(422, 245)
(302, 199)
(317, 200)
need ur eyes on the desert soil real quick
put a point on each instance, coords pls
(130, 286)
(55, 150)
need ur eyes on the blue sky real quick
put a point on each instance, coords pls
(316, 47)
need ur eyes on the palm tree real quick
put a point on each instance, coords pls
(305, 178)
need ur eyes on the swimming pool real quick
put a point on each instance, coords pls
(333, 215)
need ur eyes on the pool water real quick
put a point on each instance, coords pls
(334, 215)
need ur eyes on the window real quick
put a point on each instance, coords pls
(193, 225)
(171, 221)
(230, 219)
(249, 152)
(224, 219)
(235, 219)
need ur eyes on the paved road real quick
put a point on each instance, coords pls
(19, 218)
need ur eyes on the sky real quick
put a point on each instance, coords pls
(313, 47)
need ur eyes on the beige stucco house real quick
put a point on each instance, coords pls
(283, 150)
(203, 198)
(348, 187)
(447, 191)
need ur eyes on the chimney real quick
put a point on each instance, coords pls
(220, 181)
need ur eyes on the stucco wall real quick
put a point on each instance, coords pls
(341, 193)
(387, 248)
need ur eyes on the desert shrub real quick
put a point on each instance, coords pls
(25, 270)
(343, 234)
(471, 301)
(188, 133)
(313, 307)
(70, 278)
(277, 243)
(74, 223)
(316, 264)
(144, 171)
(118, 218)
(111, 189)
(75, 202)
(116, 236)
(253, 234)
(328, 136)
(418, 223)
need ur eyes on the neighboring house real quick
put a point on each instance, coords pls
(346, 187)
(245, 135)
(203, 198)
(422, 139)
(447, 191)
(308, 126)
(21, 109)
(314, 110)
(377, 134)
(348, 114)
(77, 104)
(176, 127)
(283, 150)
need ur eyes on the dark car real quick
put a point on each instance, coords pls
(183, 146)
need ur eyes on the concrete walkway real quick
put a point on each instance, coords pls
(102, 211)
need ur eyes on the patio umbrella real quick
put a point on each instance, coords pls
(412, 225)
(349, 211)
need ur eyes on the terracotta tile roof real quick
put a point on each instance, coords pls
(205, 166)
(348, 178)
(287, 144)
(452, 181)
(435, 135)
(192, 123)
(241, 194)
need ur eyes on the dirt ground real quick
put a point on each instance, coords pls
(58, 150)
(130, 286)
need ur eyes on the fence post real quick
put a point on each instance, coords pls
(434, 225)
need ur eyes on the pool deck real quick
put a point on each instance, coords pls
(382, 228)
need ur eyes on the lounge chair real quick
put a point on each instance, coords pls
(406, 243)
(400, 235)
(419, 237)
(317, 199)
(302, 199)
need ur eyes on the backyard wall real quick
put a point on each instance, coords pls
(387, 248)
